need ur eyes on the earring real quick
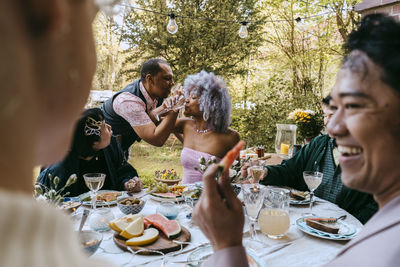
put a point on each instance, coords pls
(205, 117)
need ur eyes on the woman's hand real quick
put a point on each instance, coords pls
(134, 185)
(219, 213)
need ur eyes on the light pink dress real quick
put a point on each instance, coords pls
(190, 159)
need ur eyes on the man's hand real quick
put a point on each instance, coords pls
(244, 171)
(219, 213)
(134, 185)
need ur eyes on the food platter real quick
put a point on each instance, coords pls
(162, 244)
(85, 198)
(346, 231)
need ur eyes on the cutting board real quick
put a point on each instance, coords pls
(162, 244)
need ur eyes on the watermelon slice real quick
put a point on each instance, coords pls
(170, 228)
(231, 156)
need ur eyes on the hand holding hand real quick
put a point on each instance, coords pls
(219, 213)
(134, 185)
(169, 102)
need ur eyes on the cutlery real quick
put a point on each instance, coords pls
(186, 262)
(327, 219)
(148, 193)
(275, 248)
(83, 220)
(172, 254)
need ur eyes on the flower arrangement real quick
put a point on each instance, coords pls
(52, 195)
(308, 122)
(204, 164)
(166, 175)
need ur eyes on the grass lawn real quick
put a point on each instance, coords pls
(147, 158)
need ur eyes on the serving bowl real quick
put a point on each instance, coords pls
(90, 241)
(130, 208)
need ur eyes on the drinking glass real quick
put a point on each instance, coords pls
(274, 217)
(180, 104)
(256, 172)
(313, 180)
(94, 181)
(253, 198)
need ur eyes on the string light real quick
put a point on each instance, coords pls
(243, 33)
(301, 25)
(172, 27)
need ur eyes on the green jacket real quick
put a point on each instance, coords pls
(309, 158)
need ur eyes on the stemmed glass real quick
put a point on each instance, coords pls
(256, 171)
(179, 105)
(313, 180)
(94, 181)
(253, 198)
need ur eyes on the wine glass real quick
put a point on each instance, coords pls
(256, 171)
(313, 180)
(94, 181)
(179, 105)
(253, 198)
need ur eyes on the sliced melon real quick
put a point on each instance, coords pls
(149, 236)
(170, 228)
(120, 224)
(134, 229)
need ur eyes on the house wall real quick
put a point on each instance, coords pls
(390, 7)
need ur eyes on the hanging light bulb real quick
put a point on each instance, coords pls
(172, 27)
(243, 33)
(301, 25)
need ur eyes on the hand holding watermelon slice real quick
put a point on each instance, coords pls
(229, 158)
(219, 213)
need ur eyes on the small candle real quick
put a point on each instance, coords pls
(284, 149)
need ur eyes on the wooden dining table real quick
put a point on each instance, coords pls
(295, 249)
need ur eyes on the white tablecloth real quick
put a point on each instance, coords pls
(305, 250)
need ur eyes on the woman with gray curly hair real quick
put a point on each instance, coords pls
(206, 134)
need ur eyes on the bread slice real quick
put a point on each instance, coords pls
(331, 228)
(298, 195)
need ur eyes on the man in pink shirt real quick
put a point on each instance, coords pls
(130, 112)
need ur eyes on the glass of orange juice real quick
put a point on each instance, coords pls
(274, 217)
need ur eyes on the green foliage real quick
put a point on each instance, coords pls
(148, 159)
(198, 44)
(257, 126)
(109, 54)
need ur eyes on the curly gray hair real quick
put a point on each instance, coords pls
(214, 99)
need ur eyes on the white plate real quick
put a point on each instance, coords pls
(346, 231)
(300, 202)
(157, 198)
(102, 203)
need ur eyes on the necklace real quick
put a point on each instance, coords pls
(201, 131)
